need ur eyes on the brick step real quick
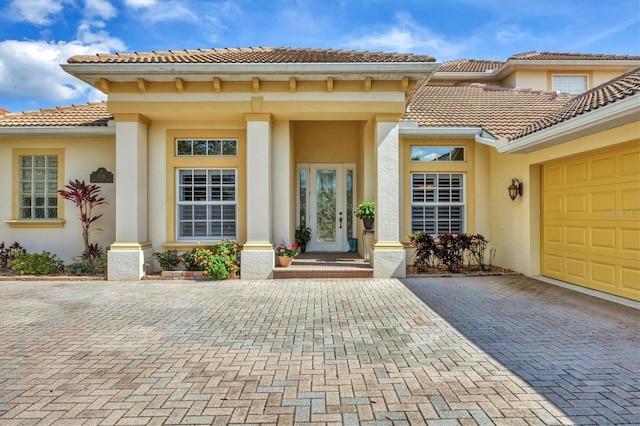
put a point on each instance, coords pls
(301, 273)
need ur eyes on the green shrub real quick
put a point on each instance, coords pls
(7, 252)
(168, 260)
(85, 266)
(44, 263)
(219, 260)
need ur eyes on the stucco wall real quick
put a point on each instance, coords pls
(326, 141)
(82, 157)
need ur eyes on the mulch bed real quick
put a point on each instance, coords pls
(472, 271)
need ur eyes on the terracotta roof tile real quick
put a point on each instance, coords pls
(91, 114)
(565, 56)
(4, 111)
(501, 111)
(470, 65)
(607, 93)
(249, 55)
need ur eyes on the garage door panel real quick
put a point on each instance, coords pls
(630, 202)
(604, 167)
(576, 172)
(591, 220)
(630, 240)
(554, 263)
(630, 163)
(603, 201)
(576, 203)
(603, 237)
(604, 274)
(576, 268)
(576, 236)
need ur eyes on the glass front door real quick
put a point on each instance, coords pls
(326, 205)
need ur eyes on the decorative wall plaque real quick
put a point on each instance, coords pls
(101, 175)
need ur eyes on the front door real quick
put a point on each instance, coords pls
(330, 206)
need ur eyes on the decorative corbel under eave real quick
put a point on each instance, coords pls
(103, 85)
(292, 84)
(179, 85)
(142, 85)
(367, 84)
(404, 84)
(255, 82)
(329, 84)
(217, 85)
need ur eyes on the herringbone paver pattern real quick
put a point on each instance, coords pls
(304, 352)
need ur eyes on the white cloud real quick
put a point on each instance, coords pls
(169, 10)
(140, 4)
(511, 34)
(101, 9)
(31, 69)
(38, 12)
(408, 36)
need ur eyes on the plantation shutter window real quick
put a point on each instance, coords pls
(437, 203)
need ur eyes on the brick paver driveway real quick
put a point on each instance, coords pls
(505, 350)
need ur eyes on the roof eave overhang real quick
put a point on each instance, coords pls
(575, 64)
(242, 71)
(412, 130)
(617, 114)
(57, 131)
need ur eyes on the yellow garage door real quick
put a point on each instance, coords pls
(591, 220)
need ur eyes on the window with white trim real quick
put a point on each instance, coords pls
(570, 83)
(38, 187)
(437, 203)
(207, 204)
(206, 147)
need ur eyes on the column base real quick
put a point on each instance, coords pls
(257, 264)
(126, 261)
(389, 262)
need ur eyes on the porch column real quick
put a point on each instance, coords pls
(131, 249)
(284, 183)
(389, 257)
(257, 254)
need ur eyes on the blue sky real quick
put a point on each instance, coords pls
(37, 35)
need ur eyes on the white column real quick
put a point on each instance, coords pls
(257, 254)
(284, 183)
(389, 257)
(131, 249)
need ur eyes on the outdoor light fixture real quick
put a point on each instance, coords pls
(515, 189)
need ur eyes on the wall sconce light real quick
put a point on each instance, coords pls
(515, 189)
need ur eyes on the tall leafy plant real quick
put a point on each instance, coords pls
(86, 197)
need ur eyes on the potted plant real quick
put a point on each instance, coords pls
(286, 253)
(303, 236)
(366, 211)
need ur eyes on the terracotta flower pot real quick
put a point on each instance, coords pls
(284, 261)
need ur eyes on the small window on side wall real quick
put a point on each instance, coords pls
(569, 83)
(426, 154)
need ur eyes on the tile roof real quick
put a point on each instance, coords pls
(565, 56)
(250, 55)
(82, 115)
(501, 111)
(4, 111)
(470, 65)
(607, 93)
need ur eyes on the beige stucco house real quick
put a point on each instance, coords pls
(249, 143)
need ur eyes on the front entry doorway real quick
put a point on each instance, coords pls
(326, 194)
